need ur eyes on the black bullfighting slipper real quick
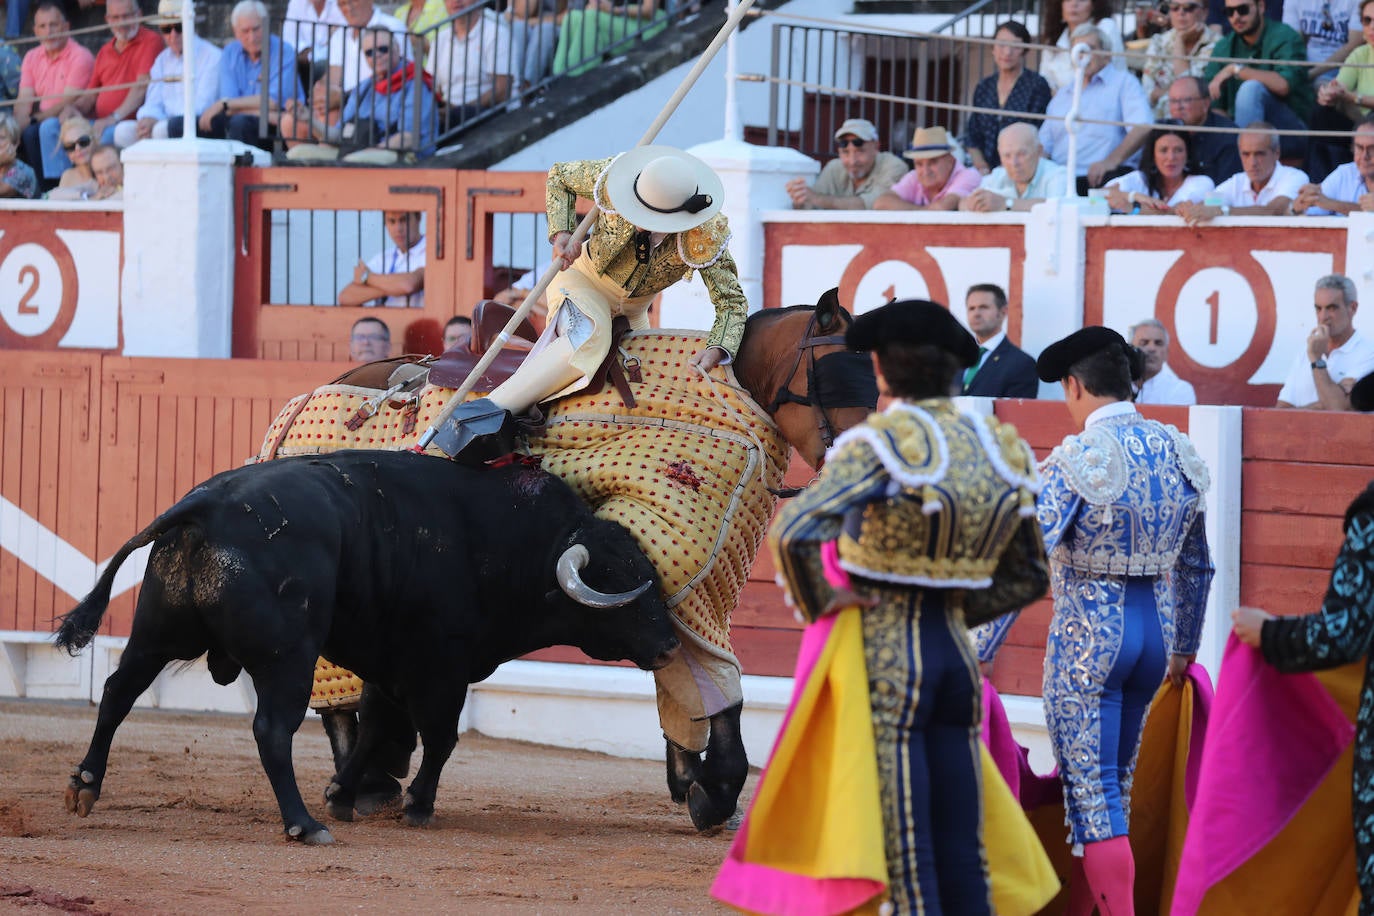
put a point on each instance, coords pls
(477, 432)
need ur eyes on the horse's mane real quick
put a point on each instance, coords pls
(764, 316)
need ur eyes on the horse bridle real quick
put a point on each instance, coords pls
(833, 381)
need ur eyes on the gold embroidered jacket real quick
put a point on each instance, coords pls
(925, 496)
(611, 249)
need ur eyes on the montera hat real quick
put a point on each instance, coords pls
(663, 189)
(913, 321)
(1058, 358)
(929, 143)
(168, 12)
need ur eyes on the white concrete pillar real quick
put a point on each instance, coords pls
(178, 283)
(1216, 433)
(755, 179)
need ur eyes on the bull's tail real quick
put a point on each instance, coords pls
(79, 625)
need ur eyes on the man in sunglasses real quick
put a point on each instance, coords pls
(347, 65)
(1259, 90)
(163, 111)
(860, 173)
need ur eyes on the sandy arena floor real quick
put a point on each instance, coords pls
(188, 823)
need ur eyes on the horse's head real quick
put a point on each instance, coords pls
(794, 361)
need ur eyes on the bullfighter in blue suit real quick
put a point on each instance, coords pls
(1003, 369)
(1122, 515)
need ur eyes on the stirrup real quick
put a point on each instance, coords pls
(477, 432)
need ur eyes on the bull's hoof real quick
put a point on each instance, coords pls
(370, 803)
(81, 793)
(310, 836)
(338, 803)
(413, 818)
(704, 812)
(339, 811)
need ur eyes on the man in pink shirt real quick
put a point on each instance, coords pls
(51, 81)
(937, 180)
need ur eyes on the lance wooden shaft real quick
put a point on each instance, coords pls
(583, 227)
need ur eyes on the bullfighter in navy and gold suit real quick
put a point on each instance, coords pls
(931, 510)
(1122, 515)
(658, 222)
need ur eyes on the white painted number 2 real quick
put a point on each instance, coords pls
(30, 290)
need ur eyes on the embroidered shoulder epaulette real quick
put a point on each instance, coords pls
(1094, 463)
(1194, 468)
(703, 245)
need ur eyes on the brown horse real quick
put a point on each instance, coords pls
(793, 363)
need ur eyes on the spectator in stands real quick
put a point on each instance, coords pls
(1013, 89)
(534, 38)
(858, 175)
(457, 332)
(109, 173)
(1181, 51)
(370, 340)
(421, 18)
(1164, 179)
(78, 142)
(937, 180)
(308, 27)
(1336, 355)
(1350, 187)
(326, 107)
(52, 79)
(1280, 94)
(1214, 154)
(471, 61)
(1062, 20)
(1150, 20)
(1110, 93)
(381, 113)
(514, 295)
(234, 114)
(396, 276)
(586, 34)
(1329, 28)
(16, 178)
(162, 113)
(1344, 100)
(1264, 187)
(126, 58)
(1159, 384)
(1003, 369)
(1024, 179)
(347, 66)
(11, 70)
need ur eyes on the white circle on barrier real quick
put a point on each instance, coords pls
(888, 280)
(30, 290)
(1216, 317)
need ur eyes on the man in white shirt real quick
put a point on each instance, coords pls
(346, 64)
(1024, 179)
(1159, 384)
(471, 61)
(1336, 355)
(162, 113)
(396, 276)
(1349, 187)
(308, 27)
(1263, 187)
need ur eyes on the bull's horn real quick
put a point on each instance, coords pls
(570, 580)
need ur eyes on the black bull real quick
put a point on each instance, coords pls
(395, 565)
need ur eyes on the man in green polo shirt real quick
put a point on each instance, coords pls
(1247, 92)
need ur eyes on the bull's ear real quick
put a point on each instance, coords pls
(828, 309)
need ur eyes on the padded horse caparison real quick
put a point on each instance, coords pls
(488, 318)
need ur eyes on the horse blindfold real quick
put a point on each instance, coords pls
(845, 379)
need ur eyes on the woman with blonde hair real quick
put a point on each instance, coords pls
(16, 178)
(77, 137)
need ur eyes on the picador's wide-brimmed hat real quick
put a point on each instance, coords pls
(663, 189)
(168, 13)
(913, 321)
(1056, 360)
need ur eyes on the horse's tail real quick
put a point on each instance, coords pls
(79, 625)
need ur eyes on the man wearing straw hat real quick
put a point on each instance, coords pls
(658, 221)
(937, 180)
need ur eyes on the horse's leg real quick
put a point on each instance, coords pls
(341, 726)
(389, 761)
(711, 799)
(684, 768)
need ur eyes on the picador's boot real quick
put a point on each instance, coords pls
(477, 432)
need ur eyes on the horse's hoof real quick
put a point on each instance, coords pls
(369, 804)
(705, 815)
(81, 793)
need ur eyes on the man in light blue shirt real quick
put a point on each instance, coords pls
(162, 111)
(1349, 187)
(1024, 179)
(235, 113)
(1110, 93)
(382, 111)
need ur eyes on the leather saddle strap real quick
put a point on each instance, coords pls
(611, 369)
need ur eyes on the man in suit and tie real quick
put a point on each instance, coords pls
(1003, 370)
